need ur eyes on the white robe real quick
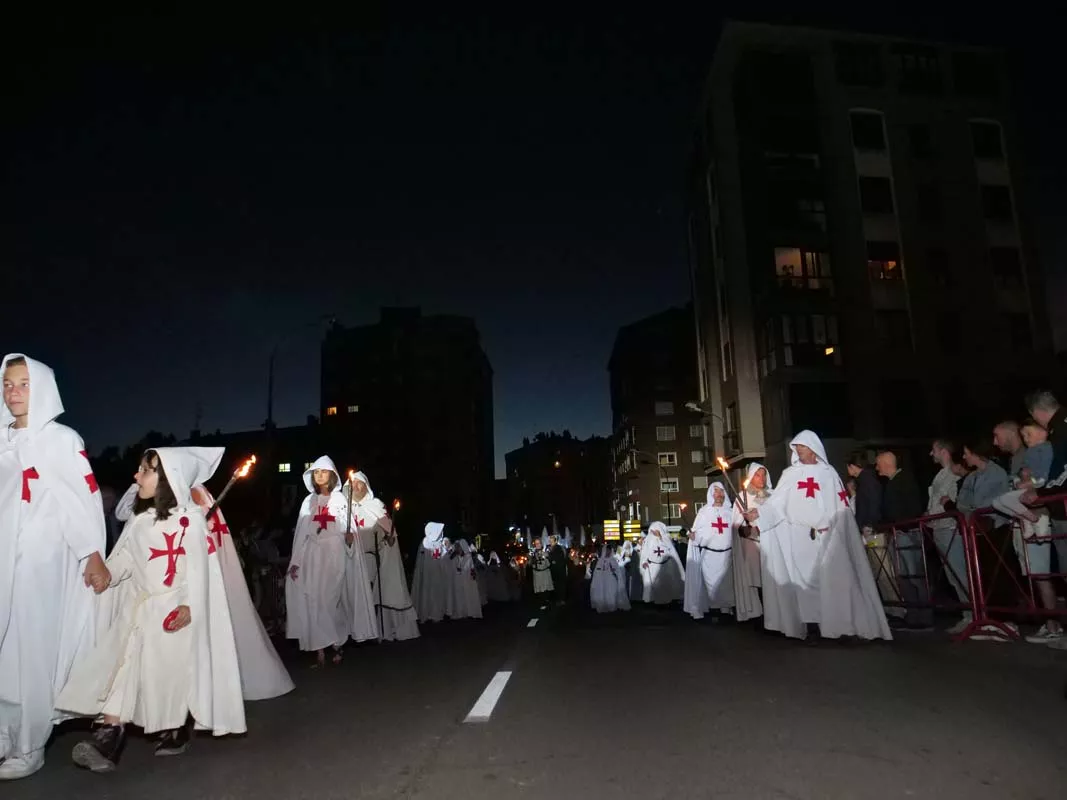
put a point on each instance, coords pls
(51, 520)
(466, 603)
(377, 535)
(315, 609)
(747, 563)
(138, 671)
(662, 571)
(606, 592)
(696, 602)
(431, 583)
(542, 572)
(826, 579)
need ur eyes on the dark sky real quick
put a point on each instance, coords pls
(181, 192)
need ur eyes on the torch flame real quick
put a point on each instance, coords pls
(351, 476)
(721, 461)
(744, 483)
(396, 504)
(245, 468)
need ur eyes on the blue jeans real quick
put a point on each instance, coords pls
(912, 578)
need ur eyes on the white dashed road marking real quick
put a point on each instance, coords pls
(532, 623)
(483, 709)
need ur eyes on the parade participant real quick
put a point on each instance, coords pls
(53, 529)
(542, 571)
(713, 540)
(747, 566)
(661, 568)
(431, 582)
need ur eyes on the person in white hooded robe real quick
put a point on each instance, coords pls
(53, 529)
(606, 587)
(466, 602)
(431, 582)
(713, 542)
(165, 643)
(314, 592)
(263, 676)
(661, 569)
(381, 564)
(747, 566)
(542, 571)
(815, 571)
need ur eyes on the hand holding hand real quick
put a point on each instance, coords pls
(96, 573)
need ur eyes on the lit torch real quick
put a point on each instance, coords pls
(725, 473)
(396, 504)
(241, 472)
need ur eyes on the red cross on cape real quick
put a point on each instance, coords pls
(324, 517)
(28, 474)
(809, 486)
(719, 525)
(90, 479)
(171, 554)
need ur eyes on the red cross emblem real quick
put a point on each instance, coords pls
(27, 476)
(210, 545)
(90, 479)
(360, 523)
(217, 525)
(323, 517)
(436, 553)
(809, 486)
(843, 495)
(659, 551)
(719, 525)
(171, 554)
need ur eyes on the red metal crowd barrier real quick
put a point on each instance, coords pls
(998, 587)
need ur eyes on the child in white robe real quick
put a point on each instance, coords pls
(165, 647)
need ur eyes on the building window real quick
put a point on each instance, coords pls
(996, 203)
(699, 504)
(1007, 269)
(883, 261)
(731, 437)
(1020, 336)
(918, 68)
(696, 431)
(307, 465)
(894, 329)
(796, 268)
(700, 481)
(664, 408)
(766, 348)
(986, 140)
(876, 195)
(664, 433)
(669, 485)
(331, 411)
(696, 456)
(931, 212)
(674, 511)
(667, 459)
(975, 74)
(858, 64)
(284, 466)
(353, 409)
(809, 340)
(937, 264)
(868, 133)
(922, 146)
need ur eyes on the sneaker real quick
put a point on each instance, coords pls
(15, 767)
(992, 633)
(1045, 636)
(101, 753)
(961, 626)
(174, 742)
(1058, 644)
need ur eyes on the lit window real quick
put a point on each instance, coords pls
(307, 465)
(670, 485)
(668, 459)
(700, 481)
(353, 409)
(284, 467)
(883, 261)
(696, 456)
(331, 411)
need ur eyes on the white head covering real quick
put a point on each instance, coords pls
(45, 404)
(810, 440)
(494, 558)
(322, 462)
(185, 467)
(755, 467)
(711, 495)
(434, 532)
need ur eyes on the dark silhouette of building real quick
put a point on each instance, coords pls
(862, 254)
(658, 443)
(557, 477)
(409, 400)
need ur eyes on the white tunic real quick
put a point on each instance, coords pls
(51, 520)
(466, 602)
(747, 561)
(714, 541)
(314, 599)
(542, 572)
(661, 569)
(606, 589)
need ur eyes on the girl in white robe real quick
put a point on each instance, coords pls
(165, 645)
(542, 570)
(314, 591)
(430, 584)
(713, 539)
(466, 602)
(748, 569)
(661, 568)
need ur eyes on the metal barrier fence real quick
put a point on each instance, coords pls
(990, 567)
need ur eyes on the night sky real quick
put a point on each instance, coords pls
(181, 192)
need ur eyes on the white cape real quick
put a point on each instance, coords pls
(661, 569)
(822, 577)
(712, 548)
(51, 519)
(466, 602)
(747, 563)
(431, 584)
(605, 588)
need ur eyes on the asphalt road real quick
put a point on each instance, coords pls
(642, 705)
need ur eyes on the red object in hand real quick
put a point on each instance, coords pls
(169, 620)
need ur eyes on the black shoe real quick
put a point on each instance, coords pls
(174, 742)
(101, 753)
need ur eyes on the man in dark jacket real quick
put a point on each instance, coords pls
(557, 559)
(902, 501)
(868, 491)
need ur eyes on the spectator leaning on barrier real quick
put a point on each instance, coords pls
(1007, 439)
(941, 497)
(984, 484)
(868, 506)
(902, 501)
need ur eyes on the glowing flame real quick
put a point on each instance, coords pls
(245, 468)
(351, 476)
(744, 483)
(396, 504)
(684, 506)
(721, 462)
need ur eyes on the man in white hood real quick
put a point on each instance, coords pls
(713, 545)
(53, 528)
(815, 569)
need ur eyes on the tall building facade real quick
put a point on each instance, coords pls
(658, 442)
(861, 253)
(562, 480)
(410, 401)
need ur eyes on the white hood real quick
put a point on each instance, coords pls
(711, 495)
(755, 467)
(45, 404)
(810, 440)
(185, 467)
(322, 462)
(434, 532)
